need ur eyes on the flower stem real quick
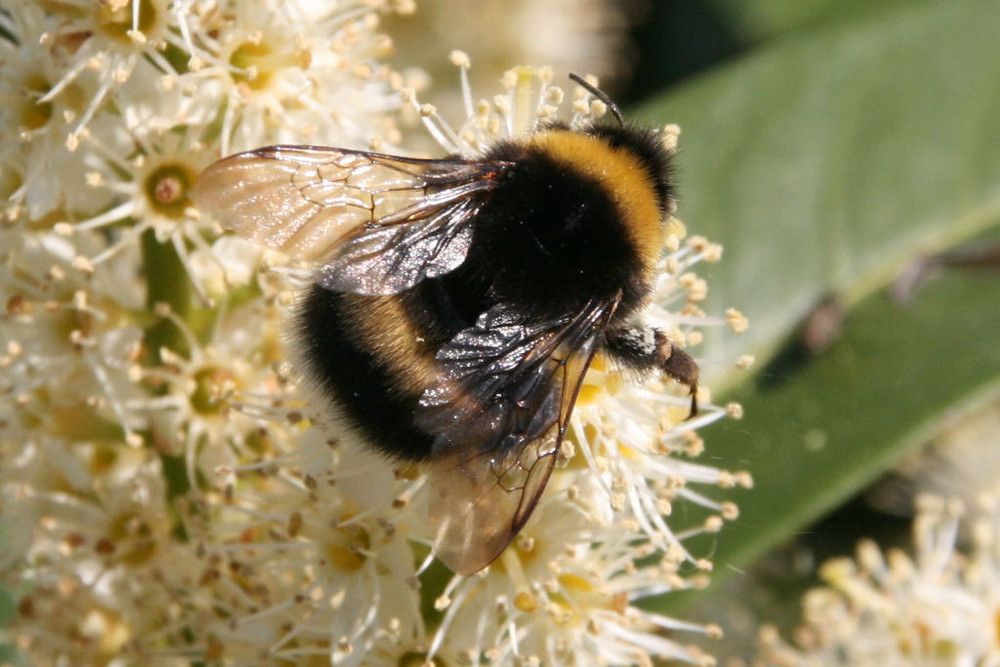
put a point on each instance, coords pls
(166, 283)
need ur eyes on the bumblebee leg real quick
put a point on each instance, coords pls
(647, 349)
(679, 365)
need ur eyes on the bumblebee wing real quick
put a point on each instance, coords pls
(477, 509)
(499, 411)
(377, 224)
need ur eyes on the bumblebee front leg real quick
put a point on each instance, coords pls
(646, 349)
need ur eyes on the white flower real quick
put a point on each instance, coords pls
(584, 36)
(34, 124)
(319, 535)
(936, 608)
(70, 342)
(103, 42)
(281, 73)
(122, 451)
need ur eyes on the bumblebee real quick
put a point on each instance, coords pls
(458, 303)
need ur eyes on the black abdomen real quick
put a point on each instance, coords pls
(345, 364)
(373, 356)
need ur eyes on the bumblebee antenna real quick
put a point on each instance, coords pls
(599, 94)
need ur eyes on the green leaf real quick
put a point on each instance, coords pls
(762, 19)
(826, 165)
(816, 436)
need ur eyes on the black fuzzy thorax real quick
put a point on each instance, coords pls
(550, 239)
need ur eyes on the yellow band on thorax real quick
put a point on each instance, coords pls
(621, 176)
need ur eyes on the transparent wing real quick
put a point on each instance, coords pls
(377, 224)
(500, 410)
(478, 507)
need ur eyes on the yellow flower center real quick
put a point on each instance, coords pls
(167, 190)
(115, 18)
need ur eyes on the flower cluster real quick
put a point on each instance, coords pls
(937, 607)
(166, 492)
(129, 327)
